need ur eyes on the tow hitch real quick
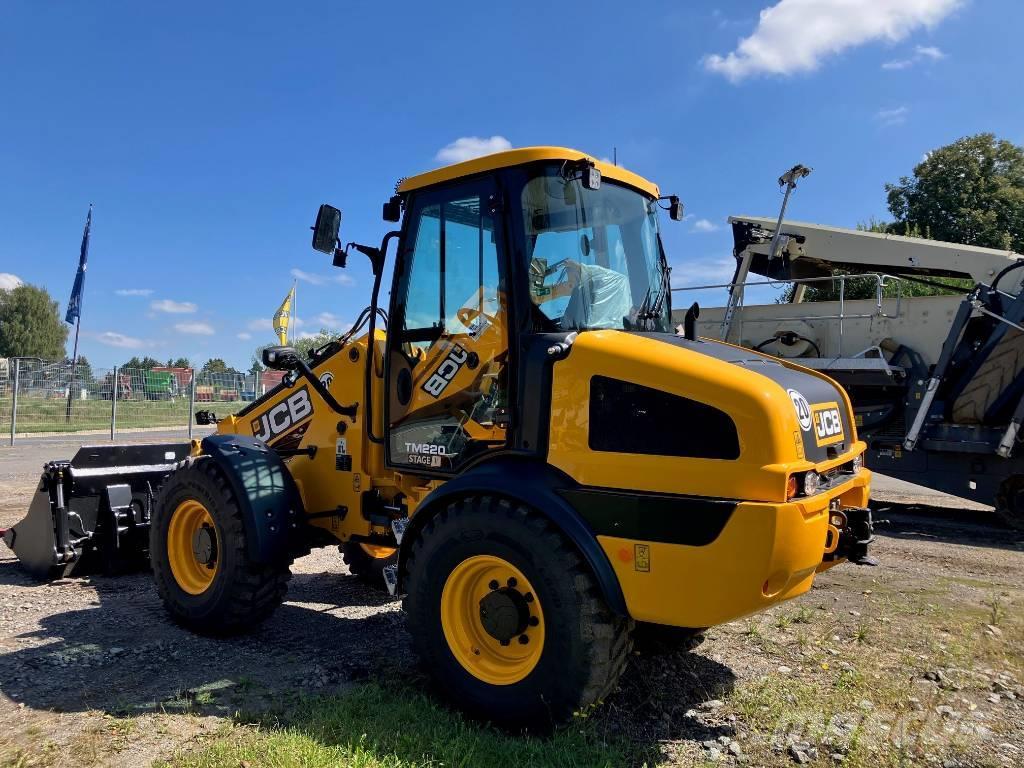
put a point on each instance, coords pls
(850, 531)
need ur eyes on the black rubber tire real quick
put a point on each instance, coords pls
(658, 639)
(243, 593)
(1010, 502)
(586, 645)
(367, 568)
(994, 375)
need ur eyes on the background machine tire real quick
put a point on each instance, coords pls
(368, 561)
(538, 641)
(998, 371)
(201, 564)
(1010, 502)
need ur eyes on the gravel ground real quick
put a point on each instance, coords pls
(92, 672)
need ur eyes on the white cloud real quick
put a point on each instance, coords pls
(307, 277)
(134, 291)
(174, 307)
(330, 320)
(112, 339)
(929, 52)
(314, 279)
(894, 116)
(708, 271)
(797, 35)
(921, 53)
(468, 147)
(244, 336)
(704, 225)
(197, 328)
(9, 281)
(264, 324)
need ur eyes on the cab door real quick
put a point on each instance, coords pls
(448, 346)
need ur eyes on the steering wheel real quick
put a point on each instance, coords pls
(467, 316)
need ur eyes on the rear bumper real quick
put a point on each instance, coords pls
(764, 554)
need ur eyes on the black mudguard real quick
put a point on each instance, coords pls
(536, 485)
(268, 497)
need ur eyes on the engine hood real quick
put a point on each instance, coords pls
(820, 406)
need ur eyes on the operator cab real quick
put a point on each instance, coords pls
(501, 261)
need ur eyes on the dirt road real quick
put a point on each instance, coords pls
(921, 657)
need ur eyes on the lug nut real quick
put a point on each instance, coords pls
(523, 639)
(512, 582)
(494, 584)
(528, 597)
(534, 621)
(506, 642)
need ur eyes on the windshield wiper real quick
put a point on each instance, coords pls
(651, 307)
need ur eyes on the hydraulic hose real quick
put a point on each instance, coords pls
(795, 337)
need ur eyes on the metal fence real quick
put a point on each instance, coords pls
(39, 397)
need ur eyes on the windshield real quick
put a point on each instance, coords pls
(595, 255)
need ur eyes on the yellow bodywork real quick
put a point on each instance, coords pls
(325, 490)
(769, 550)
(519, 157)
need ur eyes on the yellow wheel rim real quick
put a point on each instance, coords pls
(193, 548)
(492, 620)
(377, 551)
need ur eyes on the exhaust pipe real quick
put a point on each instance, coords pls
(690, 322)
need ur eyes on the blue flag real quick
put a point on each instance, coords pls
(75, 302)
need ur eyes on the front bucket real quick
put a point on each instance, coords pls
(95, 507)
(34, 539)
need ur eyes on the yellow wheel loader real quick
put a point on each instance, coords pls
(521, 445)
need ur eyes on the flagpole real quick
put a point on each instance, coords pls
(295, 304)
(78, 313)
(74, 362)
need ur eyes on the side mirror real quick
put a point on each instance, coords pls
(280, 358)
(325, 231)
(393, 209)
(675, 208)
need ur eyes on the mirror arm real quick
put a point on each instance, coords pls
(377, 259)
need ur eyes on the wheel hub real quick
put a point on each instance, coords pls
(504, 613)
(492, 619)
(204, 546)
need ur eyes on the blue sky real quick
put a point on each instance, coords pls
(206, 134)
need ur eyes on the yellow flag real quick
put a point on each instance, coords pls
(283, 315)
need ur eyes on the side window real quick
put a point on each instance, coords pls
(449, 347)
(423, 297)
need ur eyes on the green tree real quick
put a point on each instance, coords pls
(181, 362)
(83, 370)
(217, 365)
(145, 364)
(30, 325)
(304, 346)
(970, 191)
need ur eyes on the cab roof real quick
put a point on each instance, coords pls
(519, 157)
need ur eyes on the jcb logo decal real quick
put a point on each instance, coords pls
(283, 415)
(828, 424)
(441, 378)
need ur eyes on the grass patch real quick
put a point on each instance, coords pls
(38, 414)
(389, 726)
